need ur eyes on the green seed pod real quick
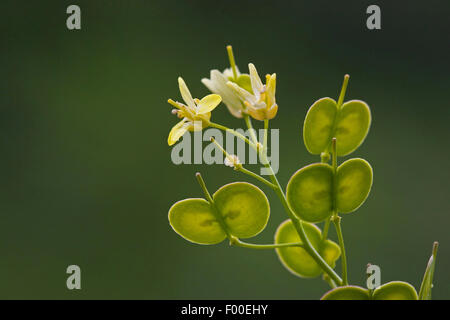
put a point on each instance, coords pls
(319, 124)
(194, 220)
(354, 181)
(296, 259)
(395, 290)
(244, 208)
(324, 120)
(310, 190)
(347, 293)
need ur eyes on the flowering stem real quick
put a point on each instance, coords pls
(232, 62)
(295, 221)
(301, 231)
(237, 134)
(239, 167)
(279, 191)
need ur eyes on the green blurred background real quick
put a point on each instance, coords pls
(86, 175)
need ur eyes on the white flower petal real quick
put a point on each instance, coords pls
(257, 85)
(244, 94)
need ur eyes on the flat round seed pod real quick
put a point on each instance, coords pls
(395, 290)
(309, 192)
(347, 293)
(352, 126)
(244, 207)
(354, 181)
(194, 220)
(296, 259)
(319, 124)
(349, 124)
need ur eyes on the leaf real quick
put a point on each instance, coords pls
(354, 181)
(349, 124)
(309, 192)
(244, 207)
(194, 220)
(427, 282)
(395, 290)
(347, 293)
(296, 259)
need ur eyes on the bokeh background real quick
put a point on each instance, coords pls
(85, 170)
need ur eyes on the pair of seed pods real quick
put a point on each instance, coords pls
(318, 190)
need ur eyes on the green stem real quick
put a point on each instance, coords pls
(335, 217)
(232, 62)
(235, 133)
(343, 90)
(266, 129)
(301, 231)
(324, 158)
(328, 280)
(239, 167)
(256, 176)
(337, 223)
(239, 243)
(208, 197)
(248, 122)
(296, 222)
(326, 227)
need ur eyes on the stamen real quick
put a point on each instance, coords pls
(175, 104)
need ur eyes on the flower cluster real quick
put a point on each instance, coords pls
(243, 94)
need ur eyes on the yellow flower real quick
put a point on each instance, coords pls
(261, 102)
(195, 113)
